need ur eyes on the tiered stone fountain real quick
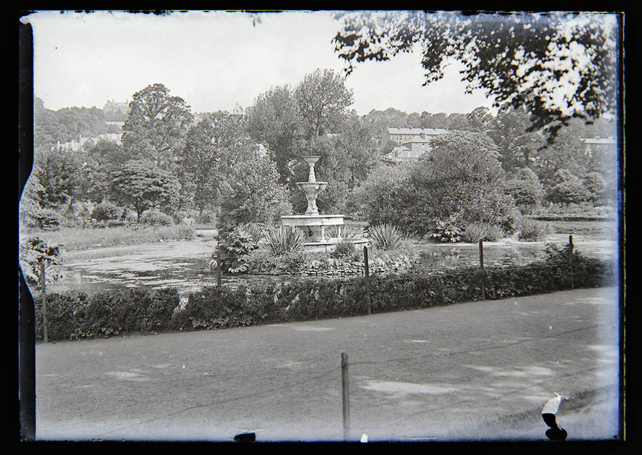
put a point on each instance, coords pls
(312, 223)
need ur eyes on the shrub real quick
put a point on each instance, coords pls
(283, 240)
(35, 251)
(46, 219)
(206, 217)
(186, 217)
(475, 232)
(106, 211)
(185, 232)
(110, 313)
(263, 260)
(567, 188)
(234, 247)
(447, 230)
(345, 250)
(347, 231)
(74, 316)
(526, 189)
(386, 236)
(155, 217)
(257, 231)
(532, 231)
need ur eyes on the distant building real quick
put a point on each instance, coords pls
(76, 145)
(598, 143)
(411, 143)
(403, 135)
(116, 107)
(238, 110)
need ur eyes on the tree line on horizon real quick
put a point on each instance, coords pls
(245, 167)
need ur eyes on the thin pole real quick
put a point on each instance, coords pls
(367, 275)
(345, 395)
(43, 296)
(572, 265)
(481, 265)
(218, 261)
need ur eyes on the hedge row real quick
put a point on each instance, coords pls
(73, 316)
(573, 218)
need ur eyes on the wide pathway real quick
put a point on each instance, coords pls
(468, 371)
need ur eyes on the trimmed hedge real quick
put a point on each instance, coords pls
(77, 315)
(72, 316)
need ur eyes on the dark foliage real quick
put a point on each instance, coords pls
(74, 316)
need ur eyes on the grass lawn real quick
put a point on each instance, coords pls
(75, 239)
(590, 229)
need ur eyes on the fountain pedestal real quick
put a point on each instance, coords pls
(312, 222)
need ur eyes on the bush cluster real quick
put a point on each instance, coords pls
(106, 211)
(532, 230)
(487, 232)
(156, 218)
(447, 231)
(74, 316)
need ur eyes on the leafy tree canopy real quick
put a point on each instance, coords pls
(273, 120)
(322, 98)
(143, 185)
(156, 125)
(558, 65)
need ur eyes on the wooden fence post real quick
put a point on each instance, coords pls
(367, 275)
(345, 393)
(571, 260)
(481, 265)
(218, 260)
(43, 293)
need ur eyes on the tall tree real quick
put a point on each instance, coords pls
(461, 177)
(273, 120)
(156, 125)
(210, 148)
(251, 192)
(198, 165)
(58, 172)
(357, 142)
(143, 185)
(518, 146)
(557, 65)
(322, 99)
(525, 189)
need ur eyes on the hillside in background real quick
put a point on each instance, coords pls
(71, 124)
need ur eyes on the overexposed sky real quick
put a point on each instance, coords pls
(215, 60)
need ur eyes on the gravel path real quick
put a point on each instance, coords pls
(467, 371)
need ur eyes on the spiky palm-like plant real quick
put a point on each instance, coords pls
(386, 236)
(282, 241)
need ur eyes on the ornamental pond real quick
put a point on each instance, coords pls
(185, 265)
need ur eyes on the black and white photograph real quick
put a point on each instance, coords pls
(321, 226)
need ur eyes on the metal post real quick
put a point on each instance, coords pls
(345, 395)
(570, 259)
(218, 267)
(481, 265)
(43, 296)
(218, 260)
(367, 275)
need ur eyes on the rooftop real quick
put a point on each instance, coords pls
(431, 131)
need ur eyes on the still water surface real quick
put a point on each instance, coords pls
(185, 265)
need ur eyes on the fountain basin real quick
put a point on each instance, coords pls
(316, 224)
(317, 241)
